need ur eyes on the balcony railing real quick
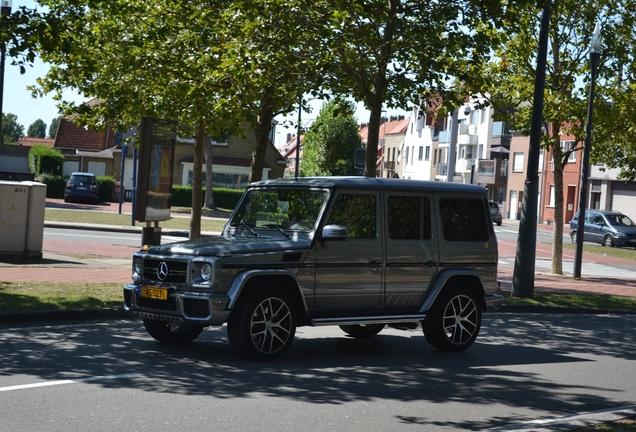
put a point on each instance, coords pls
(488, 167)
(442, 169)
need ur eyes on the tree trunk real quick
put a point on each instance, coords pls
(209, 192)
(197, 184)
(262, 130)
(373, 139)
(557, 239)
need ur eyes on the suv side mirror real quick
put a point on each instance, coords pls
(334, 233)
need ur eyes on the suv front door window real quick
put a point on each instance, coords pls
(349, 273)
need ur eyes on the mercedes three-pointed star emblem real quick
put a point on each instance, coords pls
(162, 270)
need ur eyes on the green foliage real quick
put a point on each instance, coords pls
(46, 160)
(54, 185)
(37, 129)
(106, 188)
(329, 145)
(53, 128)
(223, 197)
(12, 131)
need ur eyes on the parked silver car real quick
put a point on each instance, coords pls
(609, 228)
(360, 253)
(495, 213)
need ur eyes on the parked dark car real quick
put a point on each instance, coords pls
(609, 228)
(81, 186)
(495, 213)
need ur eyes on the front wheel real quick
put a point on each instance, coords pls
(172, 333)
(454, 321)
(608, 241)
(362, 330)
(263, 326)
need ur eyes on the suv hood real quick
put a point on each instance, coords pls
(234, 245)
(629, 230)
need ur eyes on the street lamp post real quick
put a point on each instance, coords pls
(5, 10)
(595, 55)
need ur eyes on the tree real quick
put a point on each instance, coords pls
(329, 145)
(401, 51)
(210, 66)
(37, 129)
(509, 82)
(12, 131)
(53, 128)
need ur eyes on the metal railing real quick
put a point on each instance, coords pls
(16, 176)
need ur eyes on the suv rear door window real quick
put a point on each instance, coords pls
(464, 219)
(409, 217)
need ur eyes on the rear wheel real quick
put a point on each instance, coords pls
(454, 321)
(172, 333)
(608, 241)
(362, 330)
(262, 327)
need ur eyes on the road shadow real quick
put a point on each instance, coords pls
(336, 370)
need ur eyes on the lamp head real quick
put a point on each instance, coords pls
(595, 44)
(467, 110)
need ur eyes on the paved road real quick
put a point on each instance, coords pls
(113, 377)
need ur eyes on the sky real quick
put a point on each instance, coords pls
(18, 100)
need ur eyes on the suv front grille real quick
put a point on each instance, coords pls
(165, 271)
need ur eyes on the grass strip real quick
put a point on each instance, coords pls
(38, 296)
(596, 301)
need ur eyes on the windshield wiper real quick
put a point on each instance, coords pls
(243, 224)
(274, 226)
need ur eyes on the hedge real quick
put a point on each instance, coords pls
(54, 185)
(106, 188)
(225, 198)
(46, 160)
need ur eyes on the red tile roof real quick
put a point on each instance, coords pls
(31, 141)
(70, 136)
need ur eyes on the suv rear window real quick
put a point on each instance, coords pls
(82, 179)
(464, 219)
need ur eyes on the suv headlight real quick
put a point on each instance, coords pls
(137, 269)
(619, 234)
(206, 272)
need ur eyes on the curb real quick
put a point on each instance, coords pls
(542, 309)
(64, 315)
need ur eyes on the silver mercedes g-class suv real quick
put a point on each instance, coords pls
(356, 252)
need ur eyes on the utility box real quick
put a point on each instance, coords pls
(22, 219)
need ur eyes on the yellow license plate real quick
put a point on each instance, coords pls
(154, 293)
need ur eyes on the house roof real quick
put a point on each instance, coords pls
(386, 128)
(70, 136)
(31, 141)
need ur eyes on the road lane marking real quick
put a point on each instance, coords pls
(69, 381)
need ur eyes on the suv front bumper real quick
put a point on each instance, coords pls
(181, 306)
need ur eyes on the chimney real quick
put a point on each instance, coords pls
(400, 117)
(392, 118)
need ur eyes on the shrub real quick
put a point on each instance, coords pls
(226, 198)
(106, 188)
(54, 185)
(46, 160)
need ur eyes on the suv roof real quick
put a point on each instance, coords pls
(371, 183)
(83, 173)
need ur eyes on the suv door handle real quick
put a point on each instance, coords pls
(373, 264)
(430, 263)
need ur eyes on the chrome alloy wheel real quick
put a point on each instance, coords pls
(461, 319)
(271, 325)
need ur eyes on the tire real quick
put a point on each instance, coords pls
(573, 235)
(262, 327)
(608, 241)
(66, 199)
(362, 330)
(498, 223)
(454, 320)
(172, 333)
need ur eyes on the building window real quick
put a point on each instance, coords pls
(483, 116)
(412, 154)
(551, 200)
(420, 156)
(427, 155)
(406, 158)
(517, 165)
(567, 146)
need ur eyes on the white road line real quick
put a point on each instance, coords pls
(69, 381)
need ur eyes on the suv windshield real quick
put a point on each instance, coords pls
(290, 209)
